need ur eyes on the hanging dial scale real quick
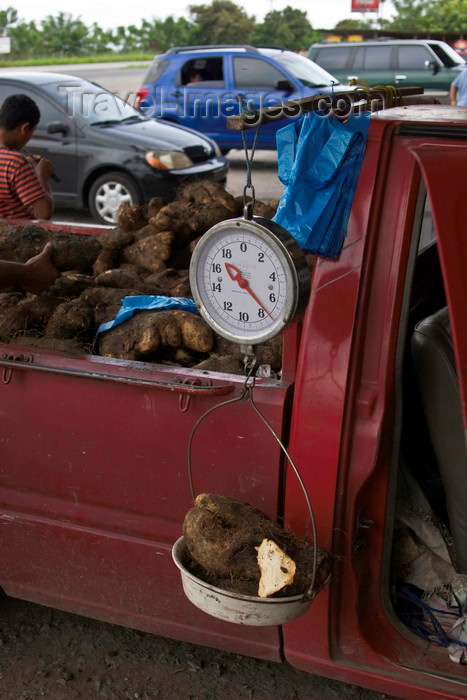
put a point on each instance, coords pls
(249, 279)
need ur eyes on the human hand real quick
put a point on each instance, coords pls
(44, 168)
(39, 273)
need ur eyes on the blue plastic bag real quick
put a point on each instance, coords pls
(319, 161)
(147, 303)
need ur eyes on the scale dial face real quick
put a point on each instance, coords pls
(247, 278)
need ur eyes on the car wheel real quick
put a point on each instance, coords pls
(108, 192)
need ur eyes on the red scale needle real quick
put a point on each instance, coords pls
(236, 275)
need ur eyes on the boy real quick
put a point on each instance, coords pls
(24, 181)
(24, 191)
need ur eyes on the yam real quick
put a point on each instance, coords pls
(105, 302)
(221, 363)
(72, 319)
(150, 252)
(147, 230)
(203, 193)
(113, 243)
(141, 335)
(116, 239)
(184, 357)
(222, 535)
(30, 314)
(131, 217)
(269, 353)
(70, 284)
(197, 335)
(277, 569)
(71, 251)
(121, 279)
(154, 206)
(8, 300)
(74, 251)
(170, 218)
(180, 258)
(106, 260)
(24, 242)
(136, 269)
(147, 331)
(182, 288)
(170, 282)
(69, 346)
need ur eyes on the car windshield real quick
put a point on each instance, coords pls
(308, 72)
(92, 102)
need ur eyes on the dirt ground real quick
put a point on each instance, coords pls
(45, 653)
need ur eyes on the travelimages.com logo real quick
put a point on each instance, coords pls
(98, 107)
(209, 104)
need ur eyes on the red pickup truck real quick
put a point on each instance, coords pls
(371, 405)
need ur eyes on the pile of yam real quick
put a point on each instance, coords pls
(236, 547)
(148, 253)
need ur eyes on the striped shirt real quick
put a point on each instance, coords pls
(19, 186)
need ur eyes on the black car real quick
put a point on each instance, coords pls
(104, 151)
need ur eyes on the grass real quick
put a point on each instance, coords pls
(63, 60)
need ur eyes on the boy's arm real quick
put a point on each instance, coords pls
(43, 207)
(35, 275)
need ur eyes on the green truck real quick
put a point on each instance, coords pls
(429, 64)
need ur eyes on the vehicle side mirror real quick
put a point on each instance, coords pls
(284, 86)
(433, 66)
(57, 128)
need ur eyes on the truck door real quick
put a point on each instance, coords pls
(94, 484)
(448, 195)
(351, 410)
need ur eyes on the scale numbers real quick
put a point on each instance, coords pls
(245, 281)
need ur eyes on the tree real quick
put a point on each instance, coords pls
(64, 36)
(7, 18)
(449, 15)
(161, 35)
(413, 16)
(222, 22)
(26, 40)
(99, 40)
(128, 39)
(289, 28)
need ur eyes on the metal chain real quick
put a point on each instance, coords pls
(248, 208)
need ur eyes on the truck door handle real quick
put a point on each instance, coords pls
(400, 77)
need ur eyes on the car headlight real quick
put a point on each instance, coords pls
(168, 160)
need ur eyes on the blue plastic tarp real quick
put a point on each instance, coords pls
(147, 303)
(319, 161)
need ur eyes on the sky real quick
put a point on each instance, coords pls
(322, 14)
